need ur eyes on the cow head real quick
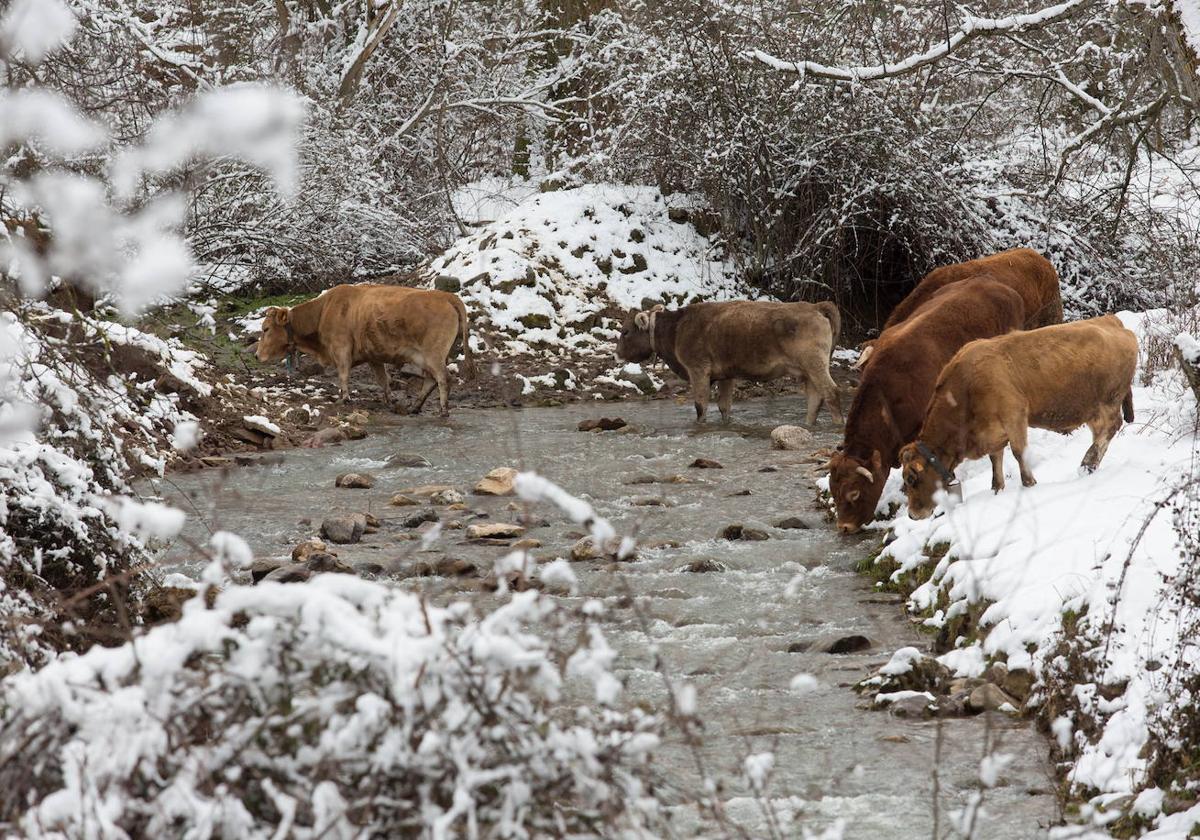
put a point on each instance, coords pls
(921, 481)
(635, 343)
(276, 339)
(856, 485)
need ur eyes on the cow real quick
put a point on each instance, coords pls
(1029, 273)
(722, 342)
(891, 399)
(350, 325)
(989, 395)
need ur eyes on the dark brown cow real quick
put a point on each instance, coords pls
(375, 325)
(756, 340)
(890, 403)
(1058, 378)
(1029, 273)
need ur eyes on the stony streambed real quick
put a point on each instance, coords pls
(736, 619)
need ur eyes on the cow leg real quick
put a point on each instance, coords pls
(343, 370)
(1017, 439)
(725, 397)
(997, 470)
(814, 402)
(443, 386)
(701, 388)
(822, 383)
(1103, 429)
(429, 384)
(381, 376)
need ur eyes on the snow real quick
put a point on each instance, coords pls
(262, 424)
(48, 121)
(543, 270)
(255, 123)
(1103, 548)
(31, 29)
(1189, 348)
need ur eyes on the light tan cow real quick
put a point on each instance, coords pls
(1058, 378)
(375, 325)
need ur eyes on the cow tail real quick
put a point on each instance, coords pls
(1127, 406)
(829, 309)
(464, 330)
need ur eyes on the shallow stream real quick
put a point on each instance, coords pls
(727, 632)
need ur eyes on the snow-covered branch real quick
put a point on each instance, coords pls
(972, 27)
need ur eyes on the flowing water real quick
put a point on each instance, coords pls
(726, 632)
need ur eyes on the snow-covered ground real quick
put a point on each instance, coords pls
(1095, 561)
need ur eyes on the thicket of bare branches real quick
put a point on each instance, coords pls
(844, 149)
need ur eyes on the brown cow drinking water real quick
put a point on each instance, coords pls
(890, 403)
(756, 340)
(992, 391)
(375, 325)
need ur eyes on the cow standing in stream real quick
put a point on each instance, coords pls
(376, 325)
(993, 391)
(759, 341)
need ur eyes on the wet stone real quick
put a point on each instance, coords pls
(499, 482)
(357, 481)
(447, 497)
(302, 551)
(792, 523)
(369, 569)
(400, 500)
(343, 529)
(791, 438)
(261, 568)
(738, 531)
(494, 530)
(603, 424)
(706, 464)
(323, 561)
(324, 438)
(704, 565)
(989, 698)
(420, 518)
(291, 573)
(408, 459)
(649, 501)
(839, 645)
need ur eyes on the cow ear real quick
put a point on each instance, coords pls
(658, 307)
(854, 495)
(906, 453)
(641, 321)
(282, 315)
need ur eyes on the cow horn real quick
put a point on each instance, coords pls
(865, 473)
(641, 320)
(658, 307)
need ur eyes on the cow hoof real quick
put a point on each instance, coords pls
(1029, 482)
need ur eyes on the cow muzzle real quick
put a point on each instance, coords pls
(848, 528)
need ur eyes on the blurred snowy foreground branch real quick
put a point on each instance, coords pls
(337, 707)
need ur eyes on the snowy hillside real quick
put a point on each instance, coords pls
(553, 271)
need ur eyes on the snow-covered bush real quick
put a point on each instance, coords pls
(335, 708)
(84, 405)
